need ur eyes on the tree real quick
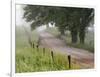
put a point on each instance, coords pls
(74, 19)
(86, 15)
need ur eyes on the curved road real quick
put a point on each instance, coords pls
(81, 57)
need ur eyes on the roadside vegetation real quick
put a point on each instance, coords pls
(30, 59)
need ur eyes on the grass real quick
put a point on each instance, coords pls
(32, 60)
(89, 40)
(28, 60)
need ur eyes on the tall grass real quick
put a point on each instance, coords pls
(30, 59)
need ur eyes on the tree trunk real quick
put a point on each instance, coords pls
(82, 36)
(62, 32)
(74, 36)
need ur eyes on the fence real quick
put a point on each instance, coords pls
(52, 54)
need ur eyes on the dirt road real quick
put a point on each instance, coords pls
(82, 57)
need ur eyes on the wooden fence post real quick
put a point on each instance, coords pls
(37, 47)
(52, 55)
(69, 61)
(33, 45)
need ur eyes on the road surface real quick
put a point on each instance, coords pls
(83, 58)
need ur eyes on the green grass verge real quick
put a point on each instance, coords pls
(31, 60)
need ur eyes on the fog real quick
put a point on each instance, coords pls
(19, 16)
(21, 22)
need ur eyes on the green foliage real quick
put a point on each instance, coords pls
(29, 60)
(74, 19)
